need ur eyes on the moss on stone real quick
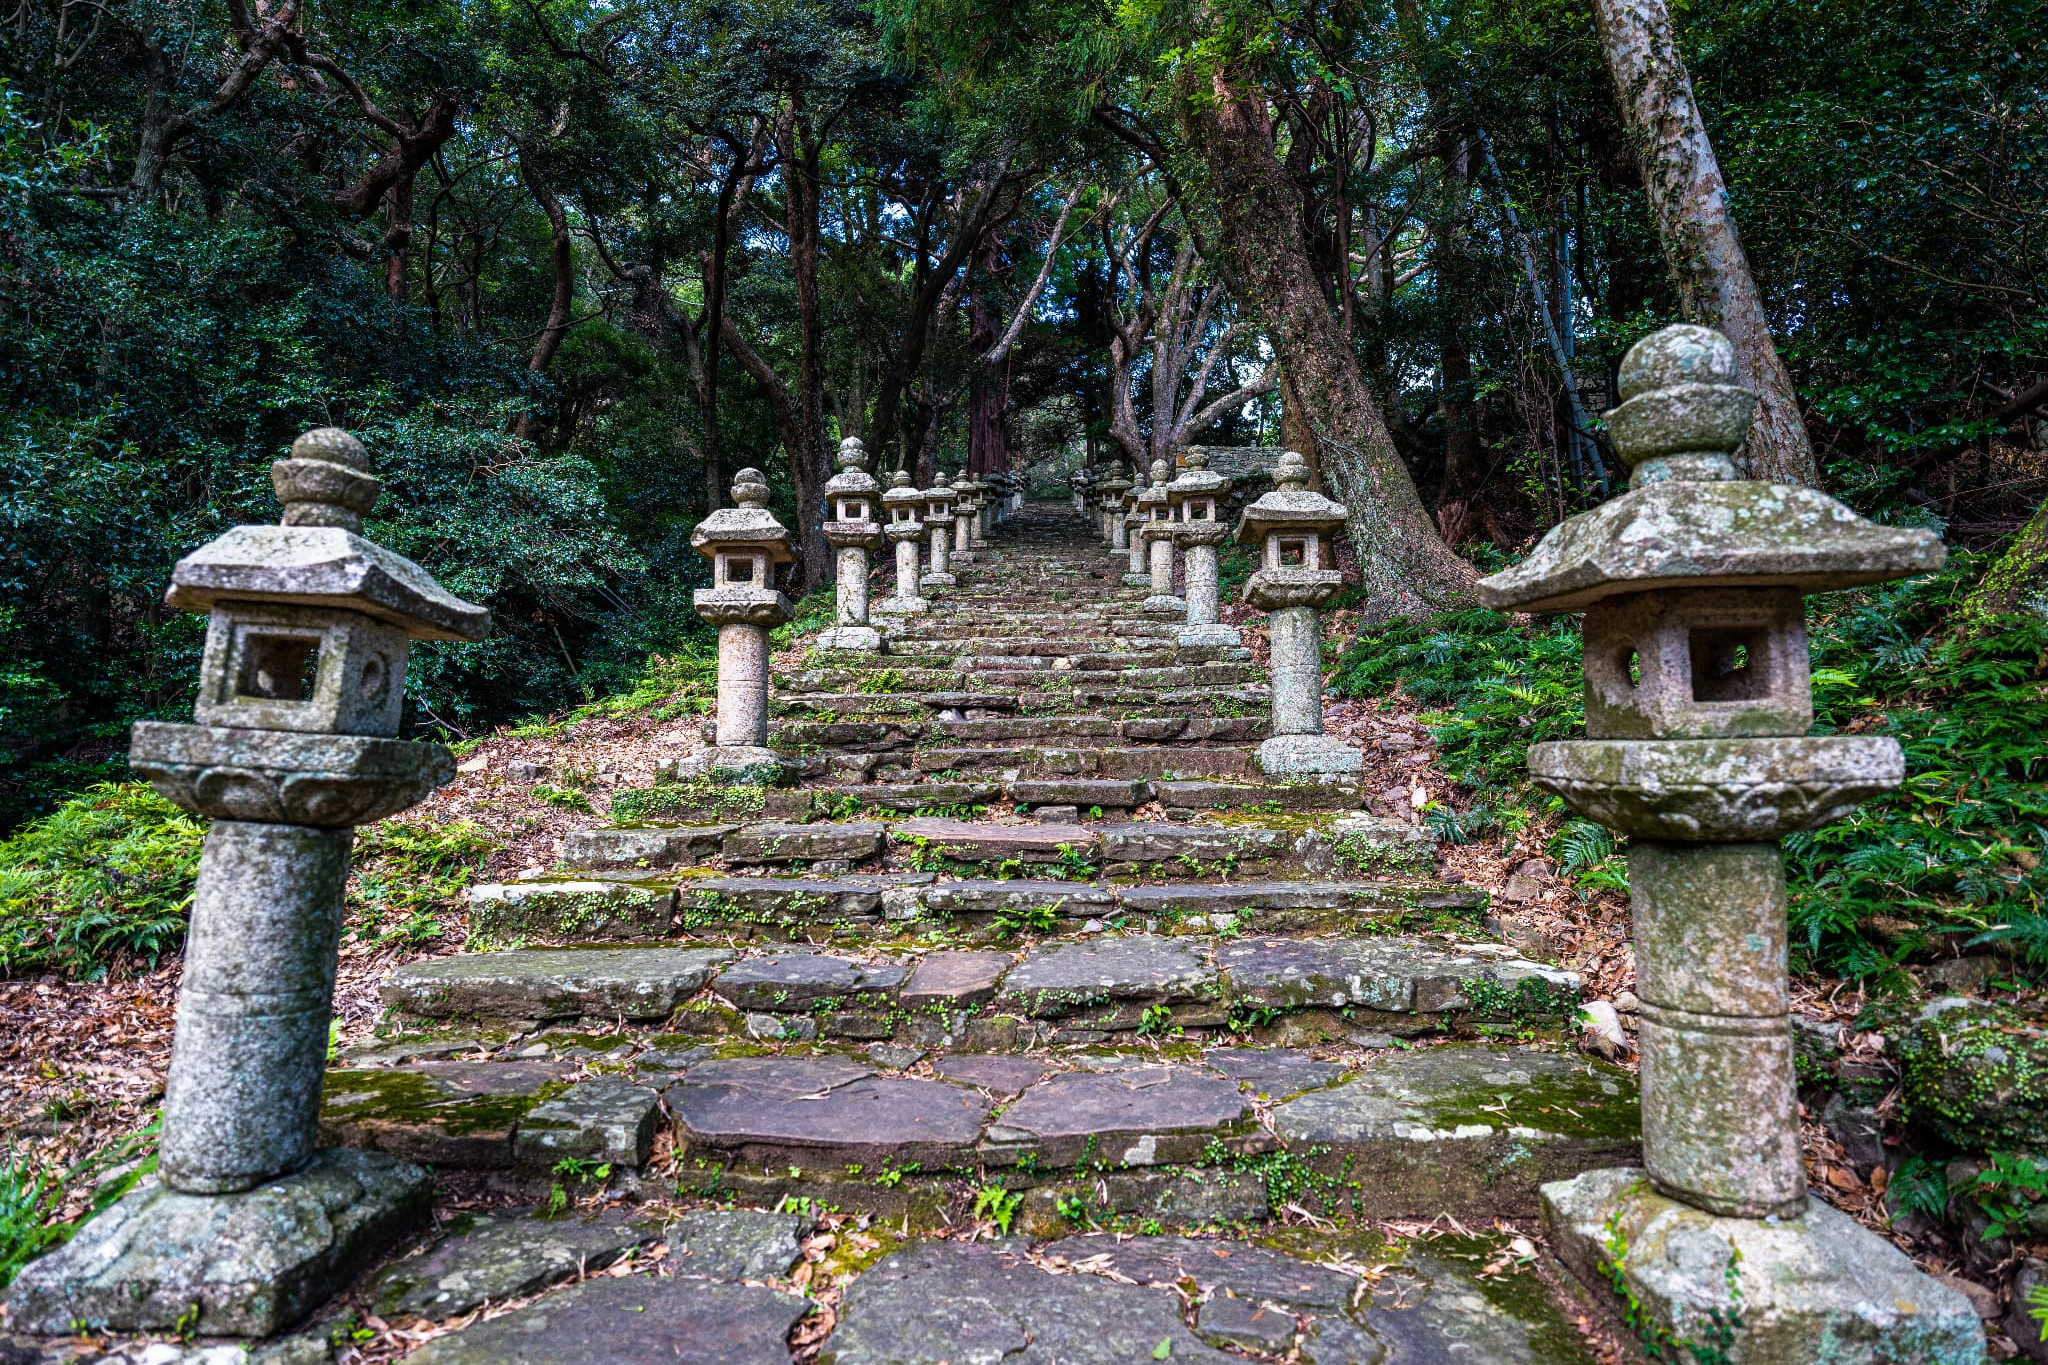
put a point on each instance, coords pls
(1976, 1074)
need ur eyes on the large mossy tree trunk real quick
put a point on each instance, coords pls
(2019, 580)
(1689, 197)
(1406, 567)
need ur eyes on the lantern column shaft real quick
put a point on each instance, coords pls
(742, 686)
(853, 586)
(1297, 670)
(1720, 1109)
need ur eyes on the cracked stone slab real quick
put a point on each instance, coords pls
(606, 1119)
(991, 1071)
(1063, 978)
(823, 1111)
(1273, 1072)
(794, 900)
(1473, 1128)
(1072, 900)
(551, 983)
(855, 841)
(461, 1114)
(643, 845)
(951, 1302)
(981, 843)
(633, 1320)
(737, 1244)
(794, 980)
(482, 1259)
(1146, 1116)
(1397, 975)
(1195, 848)
(590, 911)
(956, 980)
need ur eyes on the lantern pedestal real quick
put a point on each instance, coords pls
(1787, 1291)
(907, 536)
(251, 1264)
(1159, 545)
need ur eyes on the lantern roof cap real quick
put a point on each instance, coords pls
(942, 488)
(1688, 520)
(318, 557)
(900, 490)
(1290, 505)
(748, 524)
(853, 476)
(1197, 479)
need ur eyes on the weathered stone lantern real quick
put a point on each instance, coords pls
(301, 690)
(1081, 483)
(852, 527)
(1111, 502)
(744, 543)
(905, 530)
(967, 505)
(1136, 573)
(1196, 497)
(938, 520)
(1292, 529)
(1157, 507)
(1697, 707)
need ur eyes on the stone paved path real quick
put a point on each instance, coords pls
(1032, 947)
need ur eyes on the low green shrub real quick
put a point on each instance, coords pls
(409, 874)
(104, 879)
(33, 1196)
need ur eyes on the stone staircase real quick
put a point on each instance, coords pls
(1032, 921)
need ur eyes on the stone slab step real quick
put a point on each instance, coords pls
(1107, 761)
(902, 677)
(885, 735)
(1117, 703)
(1109, 985)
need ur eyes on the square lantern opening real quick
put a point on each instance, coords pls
(312, 670)
(740, 569)
(853, 509)
(1201, 509)
(1697, 664)
(1731, 664)
(277, 667)
(1292, 552)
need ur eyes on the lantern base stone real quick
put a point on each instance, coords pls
(862, 639)
(744, 765)
(1307, 756)
(1163, 604)
(251, 1264)
(1208, 637)
(1786, 1291)
(903, 606)
(945, 580)
(1138, 580)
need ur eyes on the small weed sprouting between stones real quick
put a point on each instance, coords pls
(1661, 1343)
(1016, 921)
(997, 1205)
(574, 1170)
(568, 798)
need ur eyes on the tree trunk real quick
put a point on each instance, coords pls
(1406, 567)
(1701, 249)
(557, 326)
(2019, 580)
(809, 466)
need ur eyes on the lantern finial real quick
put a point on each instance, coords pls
(750, 488)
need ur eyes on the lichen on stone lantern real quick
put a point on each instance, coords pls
(1110, 499)
(903, 505)
(744, 543)
(1697, 707)
(852, 527)
(1156, 505)
(938, 520)
(1293, 530)
(300, 702)
(1195, 497)
(1137, 574)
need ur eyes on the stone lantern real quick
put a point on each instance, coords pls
(744, 543)
(1081, 483)
(1196, 496)
(905, 530)
(1157, 507)
(1136, 572)
(967, 505)
(1292, 528)
(1112, 488)
(1697, 707)
(938, 520)
(853, 527)
(300, 695)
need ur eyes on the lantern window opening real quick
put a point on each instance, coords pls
(273, 666)
(1293, 552)
(1730, 663)
(742, 570)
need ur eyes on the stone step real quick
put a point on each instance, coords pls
(1206, 760)
(1010, 676)
(890, 734)
(1122, 703)
(1106, 987)
(1469, 1128)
